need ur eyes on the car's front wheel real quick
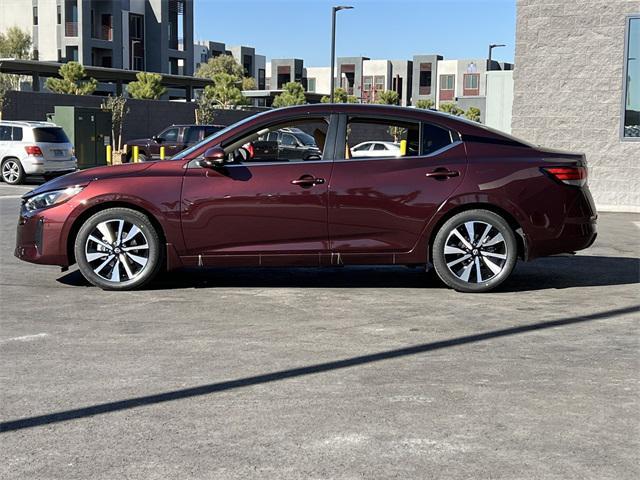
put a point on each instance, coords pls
(118, 249)
(475, 251)
(12, 171)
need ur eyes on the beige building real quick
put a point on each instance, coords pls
(577, 87)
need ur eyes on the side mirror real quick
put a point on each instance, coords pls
(214, 157)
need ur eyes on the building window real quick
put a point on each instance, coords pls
(261, 79)
(447, 87)
(425, 79)
(311, 84)
(36, 54)
(471, 84)
(632, 80)
(59, 15)
(35, 15)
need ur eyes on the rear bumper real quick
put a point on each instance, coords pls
(41, 166)
(577, 232)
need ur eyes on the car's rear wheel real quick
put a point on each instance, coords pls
(475, 251)
(118, 249)
(12, 171)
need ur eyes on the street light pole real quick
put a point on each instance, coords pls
(334, 10)
(491, 47)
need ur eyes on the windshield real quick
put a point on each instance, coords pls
(219, 133)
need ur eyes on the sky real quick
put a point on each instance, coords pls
(378, 29)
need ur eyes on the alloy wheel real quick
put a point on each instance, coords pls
(117, 250)
(10, 171)
(475, 251)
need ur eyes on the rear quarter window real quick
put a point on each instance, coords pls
(17, 133)
(50, 135)
(434, 138)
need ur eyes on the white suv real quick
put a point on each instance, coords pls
(34, 148)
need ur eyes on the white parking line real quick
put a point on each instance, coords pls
(10, 196)
(25, 338)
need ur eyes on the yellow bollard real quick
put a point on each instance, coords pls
(109, 159)
(403, 148)
(135, 154)
(161, 153)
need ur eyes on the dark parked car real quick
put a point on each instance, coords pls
(174, 139)
(285, 144)
(464, 198)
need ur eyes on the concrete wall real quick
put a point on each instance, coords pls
(499, 100)
(323, 78)
(568, 81)
(145, 119)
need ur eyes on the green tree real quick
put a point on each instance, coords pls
(220, 64)
(425, 103)
(15, 43)
(147, 87)
(5, 87)
(225, 93)
(473, 114)
(388, 97)
(340, 96)
(293, 94)
(74, 80)
(451, 109)
(248, 83)
(118, 107)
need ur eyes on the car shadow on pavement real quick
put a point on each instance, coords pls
(540, 274)
(201, 390)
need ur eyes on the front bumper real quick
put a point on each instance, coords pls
(38, 239)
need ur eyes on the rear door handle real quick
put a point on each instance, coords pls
(442, 173)
(308, 181)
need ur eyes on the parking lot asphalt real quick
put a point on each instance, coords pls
(335, 373)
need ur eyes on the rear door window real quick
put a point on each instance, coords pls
(17, 133)
(434, 138)
(405, 134)
(50, 135)
(193, 135)
(5, 133)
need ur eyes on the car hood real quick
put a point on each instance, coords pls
(83, 177)
(138, 141)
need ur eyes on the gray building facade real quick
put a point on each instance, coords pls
(577, 87)
(285, 70)
(425, 75)
(152, 35)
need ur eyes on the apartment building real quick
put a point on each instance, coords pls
(254, 65)
(153, 35)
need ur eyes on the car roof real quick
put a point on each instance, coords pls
(27, 123)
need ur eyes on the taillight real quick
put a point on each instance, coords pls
(576, 176)
(33, 150)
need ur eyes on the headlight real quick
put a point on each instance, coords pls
(49, 199)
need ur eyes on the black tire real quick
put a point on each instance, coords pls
(475, 265)
(119, 269)
(12, 172)
(142, 157)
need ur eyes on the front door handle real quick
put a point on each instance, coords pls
(442, 173)
(307, 181)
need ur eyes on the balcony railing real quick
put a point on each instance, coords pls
(71, 29)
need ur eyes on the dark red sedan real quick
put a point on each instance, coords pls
(454, 195)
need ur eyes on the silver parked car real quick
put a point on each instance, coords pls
(34, 148)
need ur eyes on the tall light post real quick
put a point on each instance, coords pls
(333, 45)
(491, 47)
